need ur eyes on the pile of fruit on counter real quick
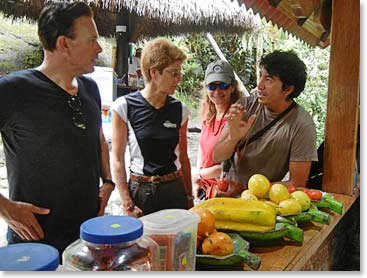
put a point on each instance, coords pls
(265, 213)
(218, 250)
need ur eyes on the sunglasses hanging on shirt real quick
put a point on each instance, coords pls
(76, 108)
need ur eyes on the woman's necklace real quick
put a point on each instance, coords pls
(220, 123)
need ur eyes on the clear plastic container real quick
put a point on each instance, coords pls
(112, 243)
(29, 257)
(175, 231)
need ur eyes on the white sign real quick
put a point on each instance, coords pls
(105, 78)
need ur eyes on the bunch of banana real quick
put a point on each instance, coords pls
(241, 215)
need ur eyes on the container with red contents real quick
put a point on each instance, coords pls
(112, 243)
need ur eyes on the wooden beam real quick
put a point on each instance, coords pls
(302, 8)
(343, 98)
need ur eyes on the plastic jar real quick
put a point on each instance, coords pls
(175, 232)
(29, 257)
(112, 243)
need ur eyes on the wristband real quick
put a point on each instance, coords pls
(109, 182)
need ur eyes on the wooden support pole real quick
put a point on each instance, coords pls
(343, 98)
(122, 44)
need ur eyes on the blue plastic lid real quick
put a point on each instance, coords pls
(29, 257)
(111, 229)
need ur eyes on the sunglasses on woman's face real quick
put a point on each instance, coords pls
(221, 85)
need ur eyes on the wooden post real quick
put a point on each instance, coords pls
(343, 98)
(122, 44)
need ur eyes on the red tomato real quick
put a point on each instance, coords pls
(314, 194)
(292, 188)
(222, 184)
(305, 189)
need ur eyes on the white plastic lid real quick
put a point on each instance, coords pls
(169, 221)
(28, 257)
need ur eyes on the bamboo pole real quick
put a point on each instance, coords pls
(221, 56)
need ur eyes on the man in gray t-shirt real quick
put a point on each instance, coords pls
(289, 145)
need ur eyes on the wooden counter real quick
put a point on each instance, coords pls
(288, 255)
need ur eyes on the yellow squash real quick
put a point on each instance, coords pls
(241, 211)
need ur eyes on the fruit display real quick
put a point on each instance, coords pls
(217, 244)
(266, 212)
(217, 250)
(254, 220)
(239, 211)
(234, 261)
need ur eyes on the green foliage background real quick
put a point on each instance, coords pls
(242, 52)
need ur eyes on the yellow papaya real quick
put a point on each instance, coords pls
(240, 210)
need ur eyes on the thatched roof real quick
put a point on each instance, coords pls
(155, 17)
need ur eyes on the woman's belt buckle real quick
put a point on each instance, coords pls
(155, 179)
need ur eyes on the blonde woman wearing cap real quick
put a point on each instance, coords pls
(220, 92)
(154, 126)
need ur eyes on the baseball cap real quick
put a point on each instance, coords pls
(219, 71)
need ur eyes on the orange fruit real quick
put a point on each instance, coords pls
(207, 222)
(217, 244)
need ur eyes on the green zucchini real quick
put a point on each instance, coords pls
(250, 259)
(319, 216)
(294, 233)
(335, 205)
(321, 204)
(285, 219)
(297, 218)
(281, 230)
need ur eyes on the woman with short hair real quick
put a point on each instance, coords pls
(154, 126)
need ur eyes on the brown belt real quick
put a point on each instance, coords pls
(156, 179)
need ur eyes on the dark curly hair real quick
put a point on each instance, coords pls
(57, 19)
(288, 67)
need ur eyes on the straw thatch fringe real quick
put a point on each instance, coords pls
(156, 17)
